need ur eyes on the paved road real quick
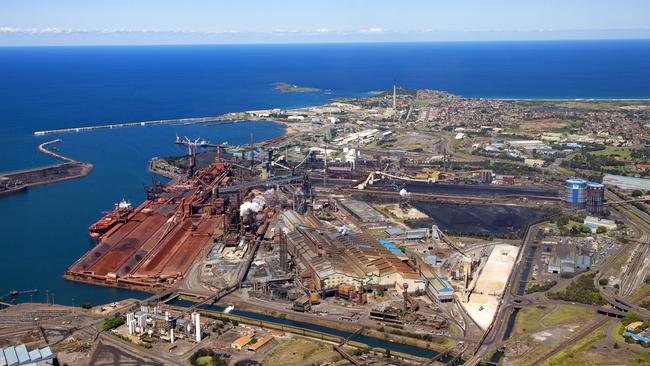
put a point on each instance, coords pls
(493, 334)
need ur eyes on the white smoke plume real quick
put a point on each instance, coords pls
(256, 205)
(343, 230)
(404, 193)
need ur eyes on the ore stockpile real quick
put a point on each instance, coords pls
(162, 237)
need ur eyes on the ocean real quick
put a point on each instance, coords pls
(44, 230)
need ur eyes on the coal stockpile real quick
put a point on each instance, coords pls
(477, 219)
(483, 190)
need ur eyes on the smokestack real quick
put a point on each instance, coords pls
(252, 161)
(406, 297)
(130, 321)
(394, 95)
(197, 326)
(283, 251)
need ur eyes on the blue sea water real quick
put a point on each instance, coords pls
(43, 230)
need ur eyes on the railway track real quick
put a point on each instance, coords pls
(570, 341)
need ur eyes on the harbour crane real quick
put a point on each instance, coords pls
(192, 147)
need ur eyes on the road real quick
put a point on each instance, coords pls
(510, 299)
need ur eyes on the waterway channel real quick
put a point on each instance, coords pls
(370, 341)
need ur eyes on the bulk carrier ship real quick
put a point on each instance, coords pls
(119, 215)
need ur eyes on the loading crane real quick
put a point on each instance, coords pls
(371, 179)
(292, 170)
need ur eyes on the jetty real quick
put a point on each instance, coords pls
(129, 124)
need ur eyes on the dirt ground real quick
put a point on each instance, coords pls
(411, 213)
(543, 125)
(541, 328)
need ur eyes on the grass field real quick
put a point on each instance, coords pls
(587, 104)
(205, 361)
(532, 319)
(540, 328)
(538, 126)
(568, 314)
(622, 152)
(595, 349)
(528, 319)
(300, 351)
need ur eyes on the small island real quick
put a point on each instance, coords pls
(291, 88)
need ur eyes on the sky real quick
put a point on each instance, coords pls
(90, 22)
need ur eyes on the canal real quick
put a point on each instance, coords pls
(370, 341)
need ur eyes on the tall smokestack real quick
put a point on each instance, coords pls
(283, 251)
(394, 94)
(197, 326)
(252, 161)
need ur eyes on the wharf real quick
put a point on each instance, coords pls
(161, 238)
(128, 124)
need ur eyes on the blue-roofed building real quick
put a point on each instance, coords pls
(438, 288)
(391, 247)
(22, 354)
(10, 356)
(19, 356)
(35, 355)
(636, 337)
(433, 260)
(554, 266)
(568, 264)
(583, 262)
(573, 145)
(46, 353)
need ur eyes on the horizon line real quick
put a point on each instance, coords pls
(339, 42)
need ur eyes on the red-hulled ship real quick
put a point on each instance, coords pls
(119, 215)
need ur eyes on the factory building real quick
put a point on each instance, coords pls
(565, 258)
(19, 355)
(241, 342)
(595, 222)
(595, 197)
(328, 258)
(438, 288)
(152, 321)
(575, 192)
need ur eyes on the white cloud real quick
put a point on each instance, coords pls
(322, 30)
(372, 30)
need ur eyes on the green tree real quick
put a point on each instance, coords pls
(585, 229)
(114, 322)
(603, 281)
(630, 318)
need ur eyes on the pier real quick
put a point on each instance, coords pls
(43, 148)
(128, 124)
